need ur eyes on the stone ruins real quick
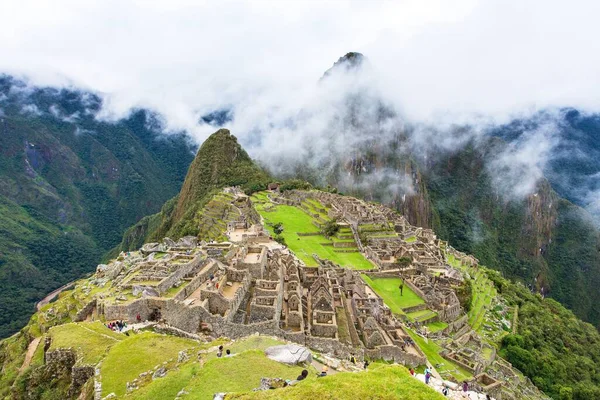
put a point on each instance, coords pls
(251, 284)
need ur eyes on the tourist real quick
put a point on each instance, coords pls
(465, 386)
(366, 364)
(220, 352)
(401, 287)
(302, 375)
(138, 318)
(412, 371)
(445, 391)
(228, 353)
(427, 377)
(323, 371)
(352, 359)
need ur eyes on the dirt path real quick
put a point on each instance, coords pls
(30, 351)
(52, 295)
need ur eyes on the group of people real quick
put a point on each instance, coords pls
(220, 352)
(116, 325)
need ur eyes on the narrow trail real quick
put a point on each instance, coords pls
(52, 295)
(30, 351)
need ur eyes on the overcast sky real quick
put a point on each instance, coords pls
(433, 59)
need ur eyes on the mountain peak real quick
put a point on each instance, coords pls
(348, 62)
(221, 161)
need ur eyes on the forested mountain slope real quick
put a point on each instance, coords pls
(69, 187)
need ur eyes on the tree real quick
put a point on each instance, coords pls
(404, 261)
(331, 228)
(278, 228)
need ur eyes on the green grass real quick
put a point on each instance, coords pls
(240, 373)
(483, 292)
(294, 221)
(422, 315)
(432, 352)
(91, 341)
(410, 239)
(342, 321)
(137, 354)
(380, 382)
(436, 326)
(388, 289)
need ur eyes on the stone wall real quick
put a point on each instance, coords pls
(178, 275)
(85, 311)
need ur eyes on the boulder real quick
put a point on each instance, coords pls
(182, 356)
(169, 242)
(145, 291)
(291, 354)
(189, 242)
(100, 269)
(159, 373)
(150, 248)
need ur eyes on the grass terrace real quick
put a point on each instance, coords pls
(91, 341)
(380, 381)
(432, 352)
(239, 373)
(483, 292)
(136, 354)
(388, 289)
(436, 326)
(294, 221)
(422, 315)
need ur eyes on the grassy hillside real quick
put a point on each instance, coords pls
(380, 381)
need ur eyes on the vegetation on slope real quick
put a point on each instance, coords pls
(220, 162)
(69, 187)
(543, 240)
(559, 352)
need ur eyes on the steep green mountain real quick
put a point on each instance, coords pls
(70, 185)
(220, 162)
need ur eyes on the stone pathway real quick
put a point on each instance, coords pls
(30, 351)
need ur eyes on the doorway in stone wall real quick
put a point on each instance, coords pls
(155, 315)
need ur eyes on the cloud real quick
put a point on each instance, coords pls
(445, 72)
(517, 169)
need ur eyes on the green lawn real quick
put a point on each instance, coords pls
(239, 373)
(294, 221)
(136, 354)
(422, 315)
(436, 326)
(432, 352)
(388, 289)
(91, 341)
(378, 382)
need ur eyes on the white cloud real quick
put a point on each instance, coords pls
(438, 63)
